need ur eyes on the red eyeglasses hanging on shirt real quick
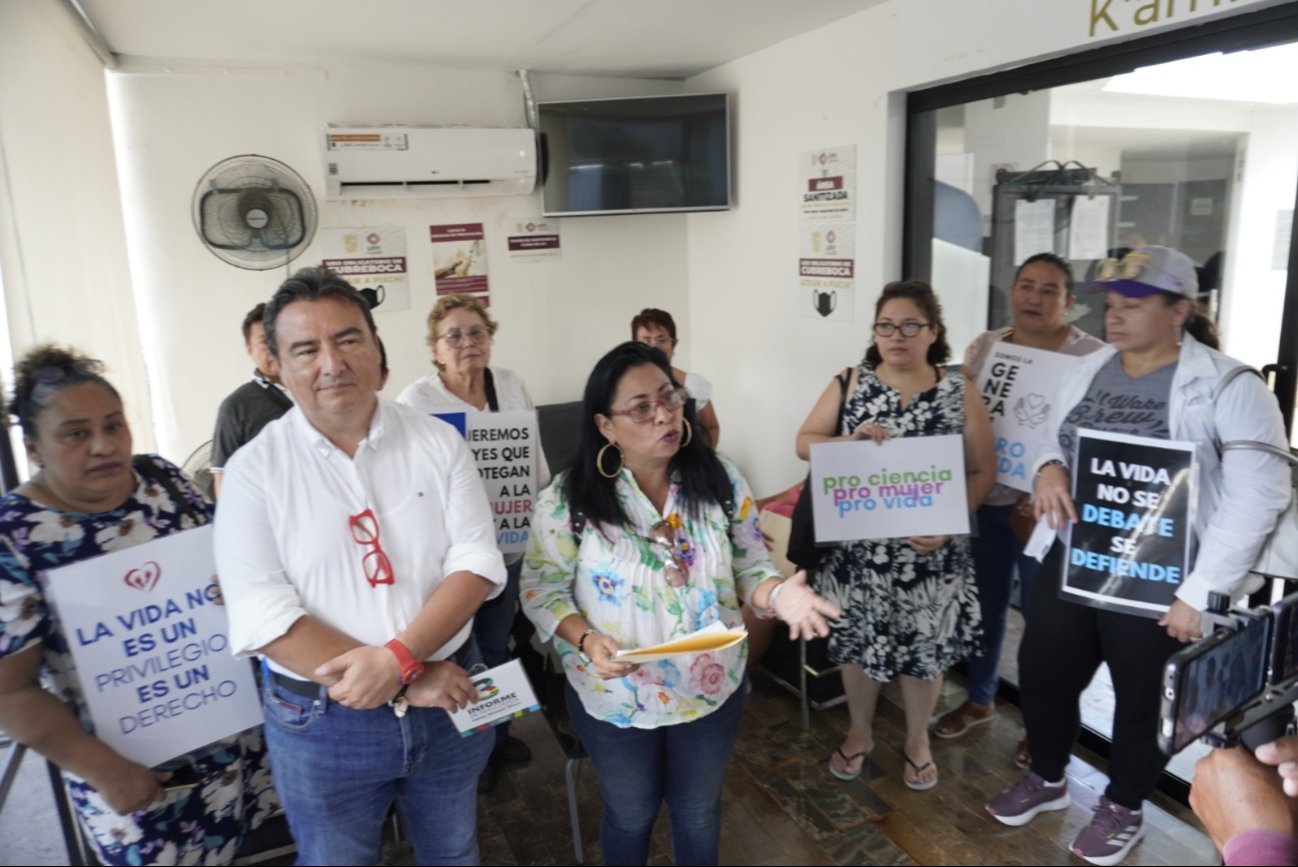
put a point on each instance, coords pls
(365, 531)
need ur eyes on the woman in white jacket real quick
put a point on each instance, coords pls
(1157, 379)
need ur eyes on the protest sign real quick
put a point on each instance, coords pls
(906, 486)
(505, 447)
(1018, 384)
(1135, 499)
(149, 638)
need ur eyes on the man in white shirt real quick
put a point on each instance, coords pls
(354, 543)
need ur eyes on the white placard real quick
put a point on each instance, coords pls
(1034, 228)
(505, 447)
(906, 486)
(150, 643)
(827, 184)
(1088, 228)
(504, 694)
(1018, 384)
(370, 258)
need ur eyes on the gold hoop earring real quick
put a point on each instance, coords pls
(599, 461)
(689, 433)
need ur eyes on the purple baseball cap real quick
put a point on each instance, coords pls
(1148, 270)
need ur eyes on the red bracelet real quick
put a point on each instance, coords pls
(411, 668)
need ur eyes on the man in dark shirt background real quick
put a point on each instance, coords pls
(253, 405)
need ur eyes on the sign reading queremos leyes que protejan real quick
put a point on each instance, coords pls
(149, 637)
(908, 486)
(504, 446)
(1135, 500)
(1018, 384)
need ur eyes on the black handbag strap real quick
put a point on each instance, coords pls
(489, 385)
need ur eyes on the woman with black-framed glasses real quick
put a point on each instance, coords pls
(651, 536)
(910, 606)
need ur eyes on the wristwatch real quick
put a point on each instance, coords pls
(411, 668)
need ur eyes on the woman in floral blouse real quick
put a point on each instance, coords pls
(651, 536)
(90, 496)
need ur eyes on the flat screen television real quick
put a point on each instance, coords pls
(638, 155)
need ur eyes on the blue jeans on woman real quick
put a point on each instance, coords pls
(996, 550)
(338, 771)
(684, 764)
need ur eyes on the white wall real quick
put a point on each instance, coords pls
(839, 84)
(556, 317)
(61, 238)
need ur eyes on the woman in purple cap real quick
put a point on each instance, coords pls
(1158, 379)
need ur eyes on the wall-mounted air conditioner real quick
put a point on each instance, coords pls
(382, 162)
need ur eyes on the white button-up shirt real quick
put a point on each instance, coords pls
(285, 547)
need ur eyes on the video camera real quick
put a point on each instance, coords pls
(1237, 685)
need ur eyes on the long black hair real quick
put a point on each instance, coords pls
(591, 497)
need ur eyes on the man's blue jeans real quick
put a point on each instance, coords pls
(684, 764)
(996, 550)
(339, 770)
(492, 626)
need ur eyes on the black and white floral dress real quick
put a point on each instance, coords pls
(904, 613)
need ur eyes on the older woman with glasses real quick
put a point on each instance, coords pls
(460, 333)
(651, 536)
(910, 606)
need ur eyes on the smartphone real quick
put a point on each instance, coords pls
(1213, 679)
(183, 777)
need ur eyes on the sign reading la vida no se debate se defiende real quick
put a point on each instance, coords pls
(1018, 384)
(504, 446)
(907, 486)
(1135, 499)
(149, 638)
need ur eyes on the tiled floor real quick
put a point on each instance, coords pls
(780, 805)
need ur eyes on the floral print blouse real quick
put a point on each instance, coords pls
(616, 578)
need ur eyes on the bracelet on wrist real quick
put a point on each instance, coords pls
(581, 643)
(1053, 462)
(772, 596)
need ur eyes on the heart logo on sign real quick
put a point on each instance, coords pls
(1031, 410)
(144, 578)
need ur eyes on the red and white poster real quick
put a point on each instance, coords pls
(827, 184)
(460, 259)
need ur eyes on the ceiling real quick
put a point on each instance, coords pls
(657, 39)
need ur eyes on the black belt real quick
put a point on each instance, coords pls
(312, 690)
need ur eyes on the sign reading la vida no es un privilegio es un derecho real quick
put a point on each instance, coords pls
(149, 638)
(504, 446)
(906, 486)
(1133, 543)
(1017, 383)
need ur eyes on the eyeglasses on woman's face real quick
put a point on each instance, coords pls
(644, 410)
(455, 338)
(908, 329)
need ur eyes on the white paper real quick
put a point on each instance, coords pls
(827, 184)
(532, 239)
(906, 486)
(370, 258)
(150, 642)
(1018, 384)
(504, 693)
(827, 271)
(1034, 228)
(504, 446)
(1088, 228)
